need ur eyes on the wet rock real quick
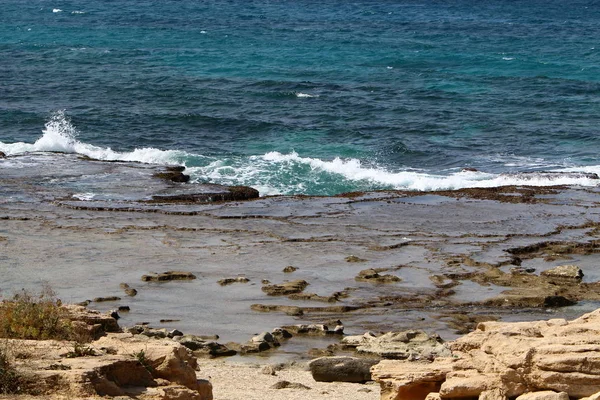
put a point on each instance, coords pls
(289, 385)
(229, 281)
(129, 291)
(204, 348)
(372, 275)
(174, 333)
(354, 259)
(220, 193)
(168, 276)
(443, 282)
(289, 269)
(558, 301)
(281, 333)
(259, 343)
(109, 298)
(173, 174)
(564, 272)
(2, 154)
(315, 297)
(342, 369)
(521, 271)
(288, 310)
(124, 309)
(314, 329)
(166, 321)
(412, 345)
(285, 288)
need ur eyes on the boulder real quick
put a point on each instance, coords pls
(342, 369)
(570, 272)
(511, 358)
(2, 154)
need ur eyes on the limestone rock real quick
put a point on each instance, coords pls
(168, 276)
(204, 348)
(412, 345)
(510, 358)
(572, 272)
(342, 369)
(229, 281)
(544, 395)
(289, 310)
(161, 368)
(372, 275)
(285, 288)
(314, 329)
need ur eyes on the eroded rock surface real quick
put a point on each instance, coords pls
(512, 358)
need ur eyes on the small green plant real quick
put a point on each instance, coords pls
(142, 359)
(10, 379)
(80, 350)
(37, 316)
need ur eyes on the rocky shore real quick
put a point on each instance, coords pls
(276, 280)
(551, 359)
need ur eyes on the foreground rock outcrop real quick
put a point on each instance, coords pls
(504, 360)
(115, 364)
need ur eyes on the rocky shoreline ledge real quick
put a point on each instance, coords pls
(551, 359)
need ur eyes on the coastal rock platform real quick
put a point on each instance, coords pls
(460, 257)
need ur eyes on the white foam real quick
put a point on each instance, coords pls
(84, 196)
(56, 10)
(305, 95)
(78, 12)
(508, 58)
(353, 170)
(59, 135)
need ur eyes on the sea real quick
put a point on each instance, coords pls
(309, 97)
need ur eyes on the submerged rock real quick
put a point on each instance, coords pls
(372, 275)
(229, 281)
(168, 276)
(285, 288)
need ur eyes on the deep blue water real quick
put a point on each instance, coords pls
(315, 97)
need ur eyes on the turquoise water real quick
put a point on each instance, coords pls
(316, 97)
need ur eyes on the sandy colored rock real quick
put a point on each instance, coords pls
(544, 395)
(413, 345)
(229, 281)
(564, 272)
(494, 394)
(515, 358)
(285, 288)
